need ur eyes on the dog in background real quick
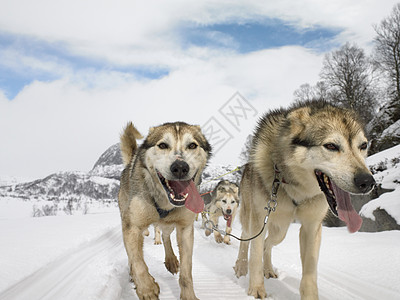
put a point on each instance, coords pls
(224, 202)
(159, 186)
(317, 153)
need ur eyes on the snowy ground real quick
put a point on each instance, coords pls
(82, 257)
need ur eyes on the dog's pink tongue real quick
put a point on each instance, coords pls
(229, 221)
(193, 201)
(346, 210)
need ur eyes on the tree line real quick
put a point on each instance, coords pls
(369, 85)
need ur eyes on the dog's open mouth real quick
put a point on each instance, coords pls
(228, 219)
(339, 202)
(182, 193)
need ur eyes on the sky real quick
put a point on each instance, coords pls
(73, 73)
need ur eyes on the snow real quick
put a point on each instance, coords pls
(393, 130)
(390, 179)
(83, 257)
(388, 201)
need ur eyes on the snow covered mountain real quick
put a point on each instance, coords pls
(100, 186)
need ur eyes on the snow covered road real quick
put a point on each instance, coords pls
(82, 257)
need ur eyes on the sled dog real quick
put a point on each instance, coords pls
(316, 153)
(158, 186)
(224, 202)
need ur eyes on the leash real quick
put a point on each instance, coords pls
(206, 193)
(271, 207)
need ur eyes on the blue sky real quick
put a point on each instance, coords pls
(270, 33)
(73, 72)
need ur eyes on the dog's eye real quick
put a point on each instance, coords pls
(163, 146)
(364, 146)
(331, 147)
(224, 201)
(192, 146)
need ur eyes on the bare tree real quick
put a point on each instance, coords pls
(349, 75)
(308, 92)
(387, 49)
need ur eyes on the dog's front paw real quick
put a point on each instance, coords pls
(157, 242)
(218, 237)
(241, 267)
(208, 232)
(257, 292)
(227, 240)
(148, 290)
(172, 264)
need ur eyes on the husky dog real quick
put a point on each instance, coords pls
(316, 153)
(224, 202)
(158, 186)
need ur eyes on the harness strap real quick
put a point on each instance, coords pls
(162, 212)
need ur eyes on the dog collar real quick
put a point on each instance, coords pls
(162, 212)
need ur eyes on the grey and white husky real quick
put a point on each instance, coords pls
(317, 153)
(159, 186)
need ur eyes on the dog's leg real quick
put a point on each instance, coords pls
(203, 220)
(171, 262)
(278, 225)
(227, 239)
(217, 236)
(311, 218)
(185, 237)
(146, 287)
(228, 230)
(256, 272)
(157, 235)
(310, 241)
(242, 266)
(146, 232)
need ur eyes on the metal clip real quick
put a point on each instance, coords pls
(213, 227)
(272, 203)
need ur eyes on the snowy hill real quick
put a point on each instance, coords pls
(109, 164)
(78, 191)
(70, 191)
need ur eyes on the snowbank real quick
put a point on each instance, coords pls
(386, 168)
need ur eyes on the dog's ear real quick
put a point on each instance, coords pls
(298, 119)
(151, 130)
(128, 142)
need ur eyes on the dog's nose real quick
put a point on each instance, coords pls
(229, 211)
(179, 169)
(364, 182)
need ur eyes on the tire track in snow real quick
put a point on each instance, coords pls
(351, 287)
(66, 277)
